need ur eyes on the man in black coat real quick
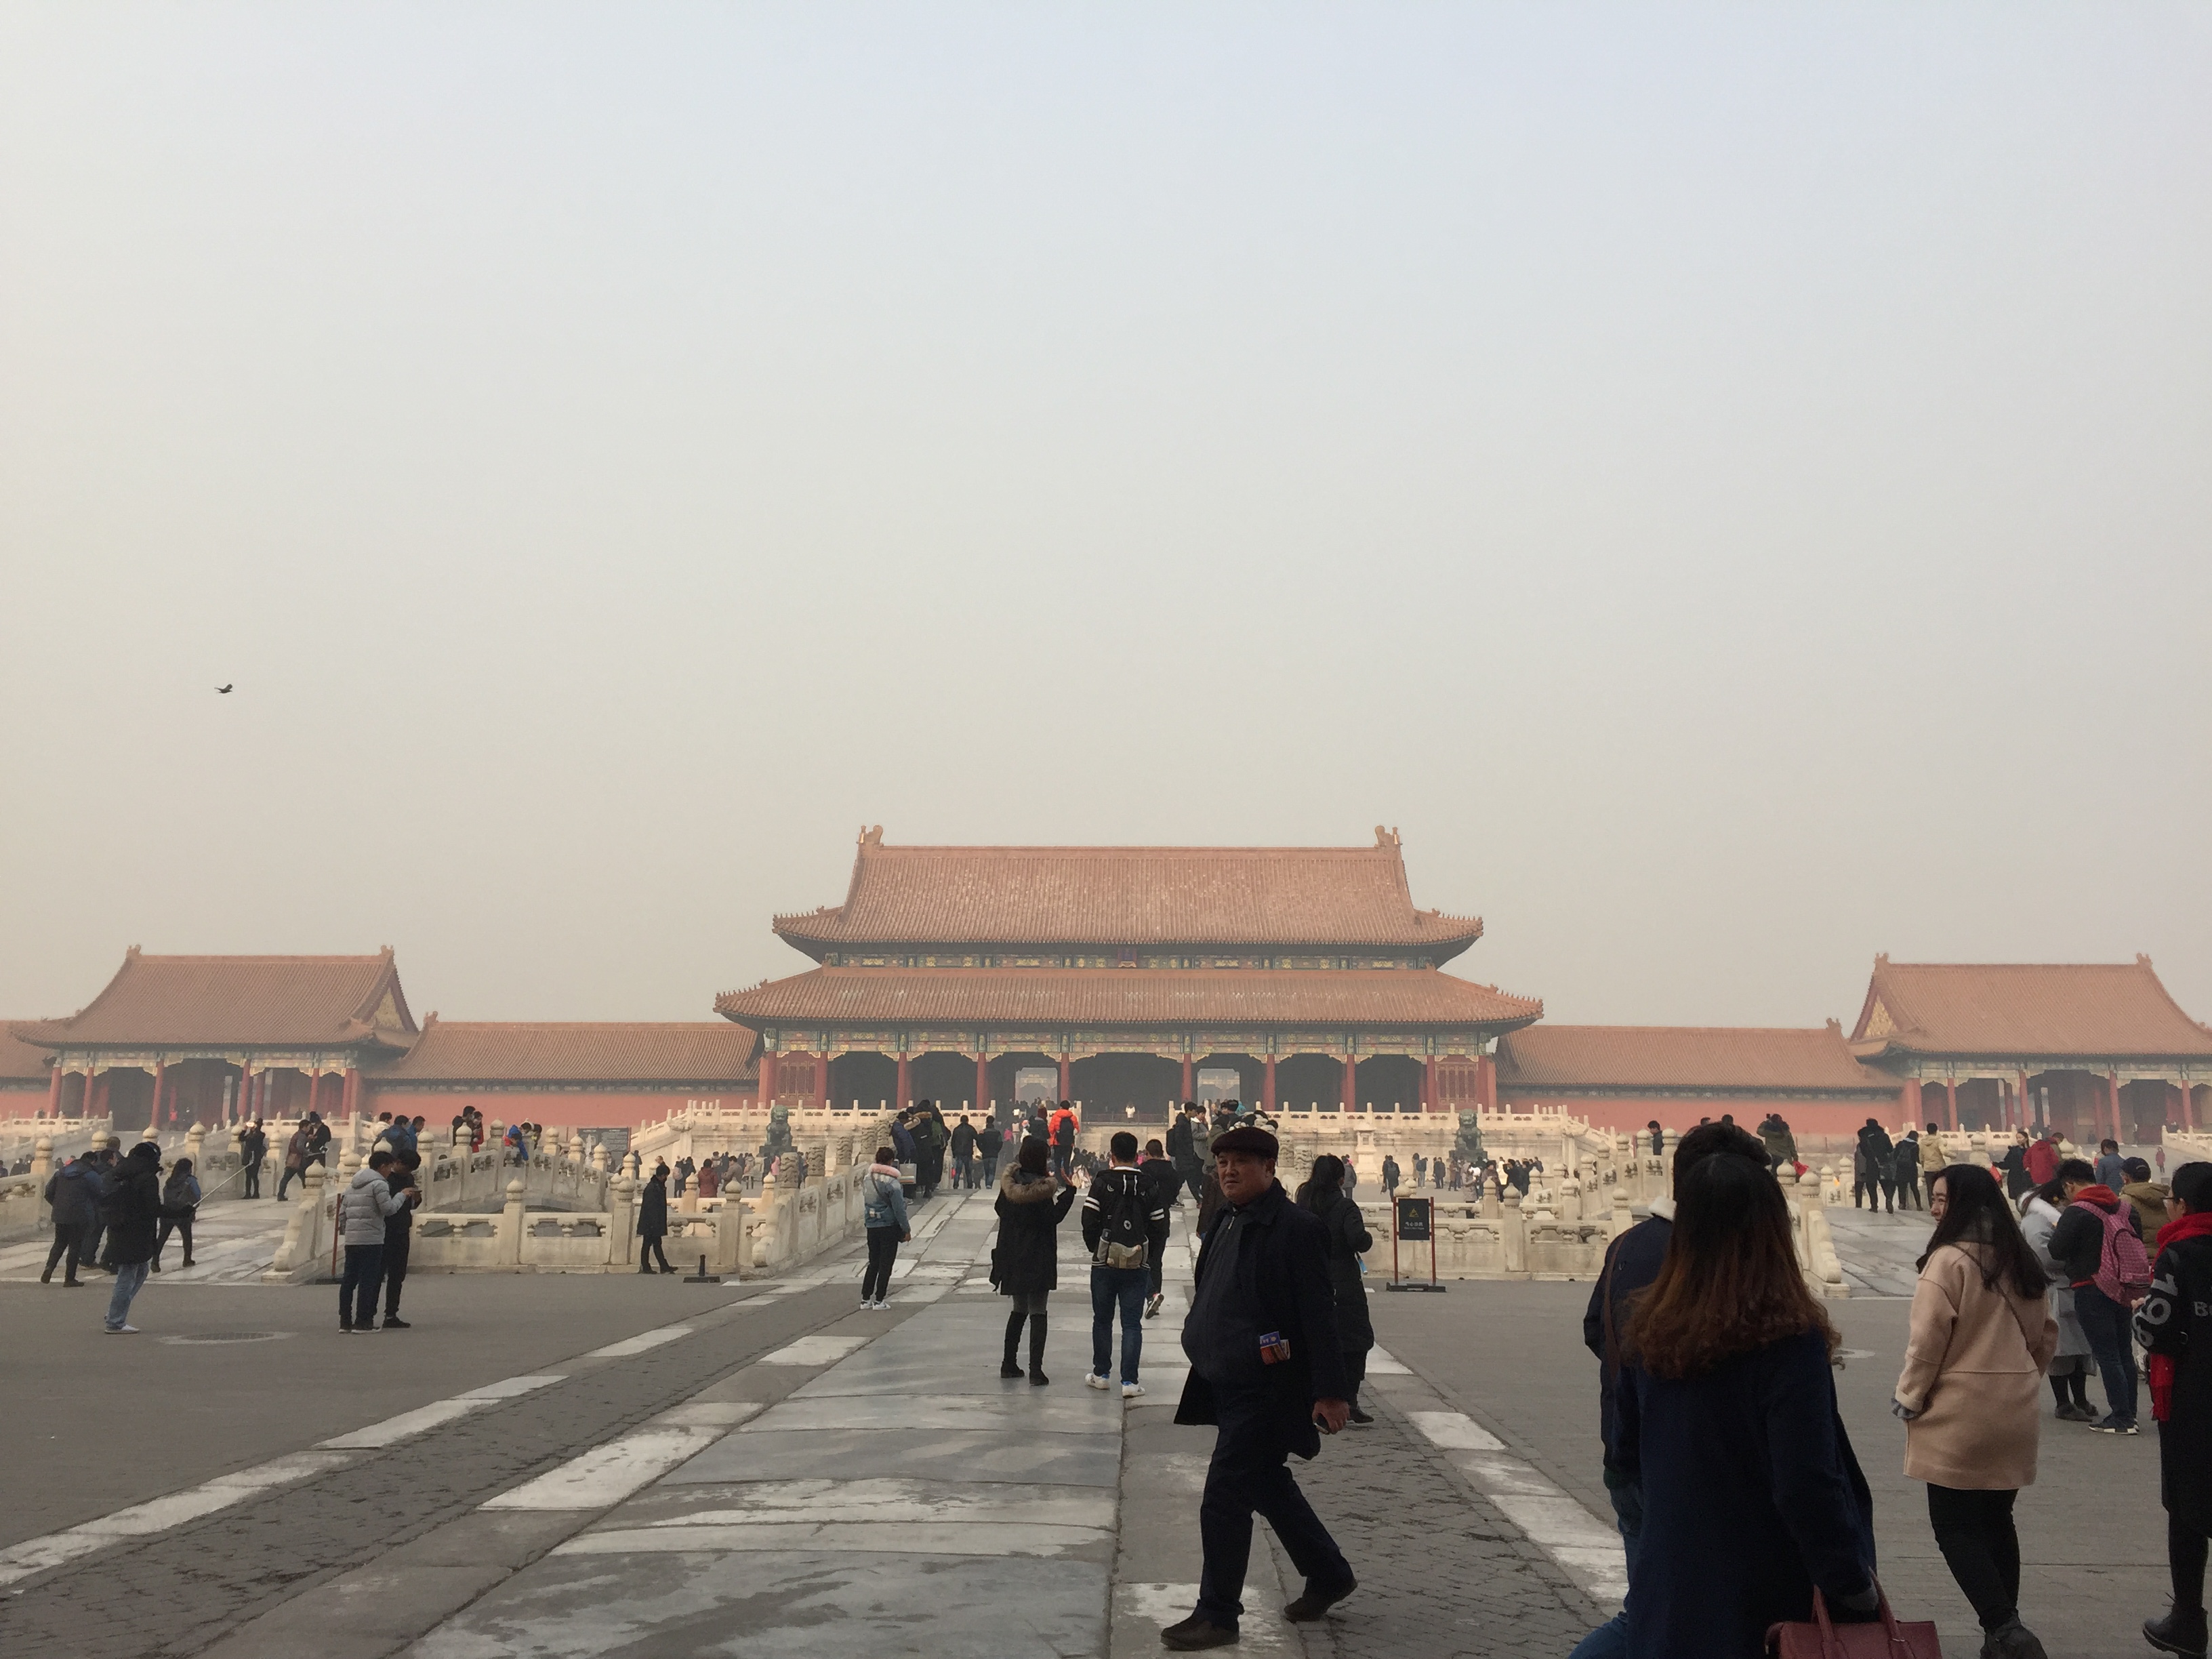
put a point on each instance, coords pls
(252, 1147)
(399, 1234)
(131, 1205)
(1266, 1370)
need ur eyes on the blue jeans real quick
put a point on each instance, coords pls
(364, 1277)
(2105, 1322)
(1610, 1639)
(1124, 1287)
(128, 1276)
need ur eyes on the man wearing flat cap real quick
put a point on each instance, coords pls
(1266, 1371)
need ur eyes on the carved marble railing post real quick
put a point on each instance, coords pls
(1515, 1233)
(42, 1165)
(621, 1220)
(510, 1223)
(1624, 1213)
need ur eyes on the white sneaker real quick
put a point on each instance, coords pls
(132, 1330)
(882, 1302)
(1131, 1390)
(1096, 1380)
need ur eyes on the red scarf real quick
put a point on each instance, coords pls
(2103, 1197)
(2197, 1223)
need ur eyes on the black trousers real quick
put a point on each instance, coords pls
(160, 1240)
(68, 1235)
(883, 1255)
(1974, 1530)
(1250, 1475)
(1908, 1187)
(648, 1247)
(1355, 1373)
(395, 1268)
(2185, 1558)
(253, 1180)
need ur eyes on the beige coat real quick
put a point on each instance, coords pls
(1975, 1377)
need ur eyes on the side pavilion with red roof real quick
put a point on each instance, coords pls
(2095, 1049)
(172, 1039)
(1307, 973)
(1622, 1077)
(576, 1074)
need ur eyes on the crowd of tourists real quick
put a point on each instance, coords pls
(1740, 1497)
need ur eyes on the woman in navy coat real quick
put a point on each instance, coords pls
(1728, 1413)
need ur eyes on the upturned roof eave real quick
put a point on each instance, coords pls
(814, 928)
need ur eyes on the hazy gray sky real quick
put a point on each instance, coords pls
(1731, 484)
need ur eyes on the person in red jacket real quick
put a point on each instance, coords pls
(2043, 1158)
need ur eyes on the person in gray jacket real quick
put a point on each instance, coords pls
(363, 1208)
(75, 1193)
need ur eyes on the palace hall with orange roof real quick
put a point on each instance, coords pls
(1126, 978)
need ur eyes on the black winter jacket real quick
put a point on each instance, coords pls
(1030, 1209)
(652, 1211)
(1107, 1188)
(134, 1188)
(74, 1192)
(1264, 1270)
(1348, 1240)
(2175, 1321)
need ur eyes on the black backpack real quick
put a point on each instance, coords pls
(1125, 1240)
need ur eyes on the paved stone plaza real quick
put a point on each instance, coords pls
(598, 1465)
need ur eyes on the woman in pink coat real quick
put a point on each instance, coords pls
(1970, 1392)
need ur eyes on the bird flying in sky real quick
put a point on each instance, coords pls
(224, 691)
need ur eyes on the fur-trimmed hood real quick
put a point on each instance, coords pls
(1017, 1186)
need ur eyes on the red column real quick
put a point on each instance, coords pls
(2188, 1107)
(1910, 1098)
(1268, 1089)
(905, 1083)
(350, 1101)
(2112, 1080)
(1950, 1104)
(1429, 1088)
(2026, 1111)
(161, 1075)
(54, 1089)
(1485, 1082)
(822, 1077)
(1067, 1076)
(1350, 1081)
(982, 1081)
(1189, 1093)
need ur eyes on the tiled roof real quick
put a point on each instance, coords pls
(472, 1051)
(1156, 896)
(20, 1061)
(989, 997)
(308, 1002)
(1683, 1057)
(2090, 1010)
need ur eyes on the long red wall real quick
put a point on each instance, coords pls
(1625, 1116)
(568, 1108)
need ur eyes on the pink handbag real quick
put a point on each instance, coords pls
(1823, 1638)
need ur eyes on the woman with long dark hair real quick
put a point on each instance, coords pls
(1348, 1240)
(1727, 1413)
(1980, 1336)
